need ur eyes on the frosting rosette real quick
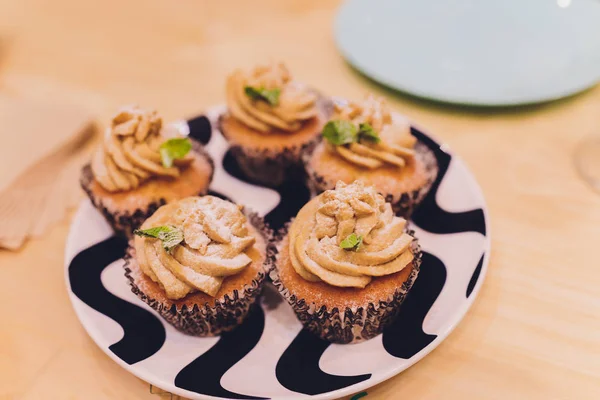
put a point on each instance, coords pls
(131, 152)
(347, 236)
(193, 245)
(365, 134)
(267, 99)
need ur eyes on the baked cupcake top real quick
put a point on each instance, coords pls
(136, 149)
(365, 134)
(193, 244)
(348, 235)
(267, 99)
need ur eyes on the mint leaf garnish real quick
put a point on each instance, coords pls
(366, 131)
(171, 239)
(174, 149)
(352, 242)
(340, 132)
(169, 235)
(152, 232)
(271, 96)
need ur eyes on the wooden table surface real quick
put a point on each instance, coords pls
(534, 330)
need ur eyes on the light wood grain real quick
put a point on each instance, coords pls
(534, 331)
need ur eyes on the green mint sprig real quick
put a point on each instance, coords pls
(174, 149)
(341, 132)
(352, 242)
(169, 235)
(366, 131)
(271, 96)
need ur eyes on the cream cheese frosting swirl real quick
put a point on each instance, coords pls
(316, 235)
(130, 152)
(296, 103)
(215, 241)
(396, 142)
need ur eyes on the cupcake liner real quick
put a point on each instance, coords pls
(227, 312)
(273, 168)
(352, 324)
(125, 222)
(403, 203)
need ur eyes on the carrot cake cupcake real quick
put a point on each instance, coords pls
(363, 141)
(347, 263)
(270, 120)
(200, 262)
(141, 166)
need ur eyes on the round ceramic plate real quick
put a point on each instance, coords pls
(477, 52)
(269, 355)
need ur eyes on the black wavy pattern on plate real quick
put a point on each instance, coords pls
(200, 129)
(294, 194)
(298, 368)
(475, 277)
(203, 375)
(405, 337)
(429, 216)
(143, 333)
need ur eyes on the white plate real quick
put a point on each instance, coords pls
(481, 52)
(269, 356)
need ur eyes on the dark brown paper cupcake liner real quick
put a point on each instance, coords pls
(349, 325)
(125, 222)
(403, 203)
(273, 168)
(228, 311)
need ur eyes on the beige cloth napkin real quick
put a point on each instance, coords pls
(42, 150)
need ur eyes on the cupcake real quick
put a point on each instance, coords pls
(364, 141)
(200, 262)
(270, 120)
(346, 263)
(141, 166)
